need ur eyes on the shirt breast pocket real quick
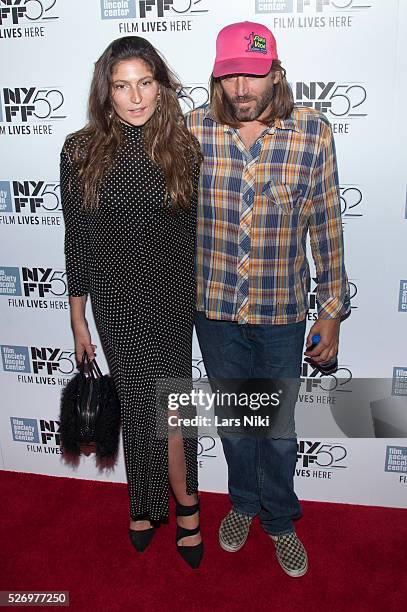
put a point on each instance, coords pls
(286, 197)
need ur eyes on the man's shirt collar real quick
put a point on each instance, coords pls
(280, 124)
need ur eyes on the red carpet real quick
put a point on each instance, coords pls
(68, 534)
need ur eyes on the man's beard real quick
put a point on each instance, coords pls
(254, 112)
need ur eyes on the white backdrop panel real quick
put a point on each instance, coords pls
(346, 58)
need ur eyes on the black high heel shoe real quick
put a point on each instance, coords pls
(191, 554)
(141, 539)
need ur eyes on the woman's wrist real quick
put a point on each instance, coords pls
(78, 321)
(77, 308)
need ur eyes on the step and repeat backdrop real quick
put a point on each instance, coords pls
(346, 58)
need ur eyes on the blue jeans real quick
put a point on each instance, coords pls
(261, 470)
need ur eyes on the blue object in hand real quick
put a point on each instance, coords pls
(327, 367)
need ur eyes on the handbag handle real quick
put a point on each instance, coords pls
(93, 367)
(83, 362)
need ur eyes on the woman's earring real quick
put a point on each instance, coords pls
(158, 104)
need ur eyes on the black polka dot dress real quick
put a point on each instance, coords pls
(136, 260)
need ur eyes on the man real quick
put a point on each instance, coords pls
(269, 175)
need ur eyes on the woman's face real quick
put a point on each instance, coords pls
(134, 91)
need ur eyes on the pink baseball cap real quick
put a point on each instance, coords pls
(244, 48)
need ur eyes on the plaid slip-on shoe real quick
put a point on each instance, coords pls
(291, 554)
(233, 531)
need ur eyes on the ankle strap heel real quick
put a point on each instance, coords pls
(191, 554)
(181, 510)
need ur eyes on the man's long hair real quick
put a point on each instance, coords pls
(166, 138)
(282, 101)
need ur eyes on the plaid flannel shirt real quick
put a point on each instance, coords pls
(255, 208)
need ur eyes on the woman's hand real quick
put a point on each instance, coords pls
(83, 341)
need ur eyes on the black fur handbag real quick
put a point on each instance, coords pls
(90, 412)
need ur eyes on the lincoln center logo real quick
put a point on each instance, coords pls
(399, 386)
(396, 459)
(403, 296)
(39, 435)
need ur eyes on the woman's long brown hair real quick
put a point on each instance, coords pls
(166, 138)
(282, 102)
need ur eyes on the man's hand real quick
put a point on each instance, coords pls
(327, 348)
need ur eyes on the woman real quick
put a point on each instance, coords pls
(129, 184)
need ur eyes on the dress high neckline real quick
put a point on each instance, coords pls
(131, 130)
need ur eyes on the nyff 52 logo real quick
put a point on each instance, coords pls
(314, 381)
(321, 454)
(144, 9)
(351, 197)
(24, 104)
(158, 8)
(12, 12)
(30, 197)
(193, 96)
(43, 281)
(334, 99)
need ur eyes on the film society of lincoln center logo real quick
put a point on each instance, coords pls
(403, 296)
(39, 435)
(30, 109)
(26, 18)
(311, 13)
(41, 365)
(33, 202)
(38, 288)
(153, 15)
(396, 462)
(399, 382)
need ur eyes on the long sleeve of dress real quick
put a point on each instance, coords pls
(76, 229)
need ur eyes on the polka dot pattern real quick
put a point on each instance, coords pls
(136, 260)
